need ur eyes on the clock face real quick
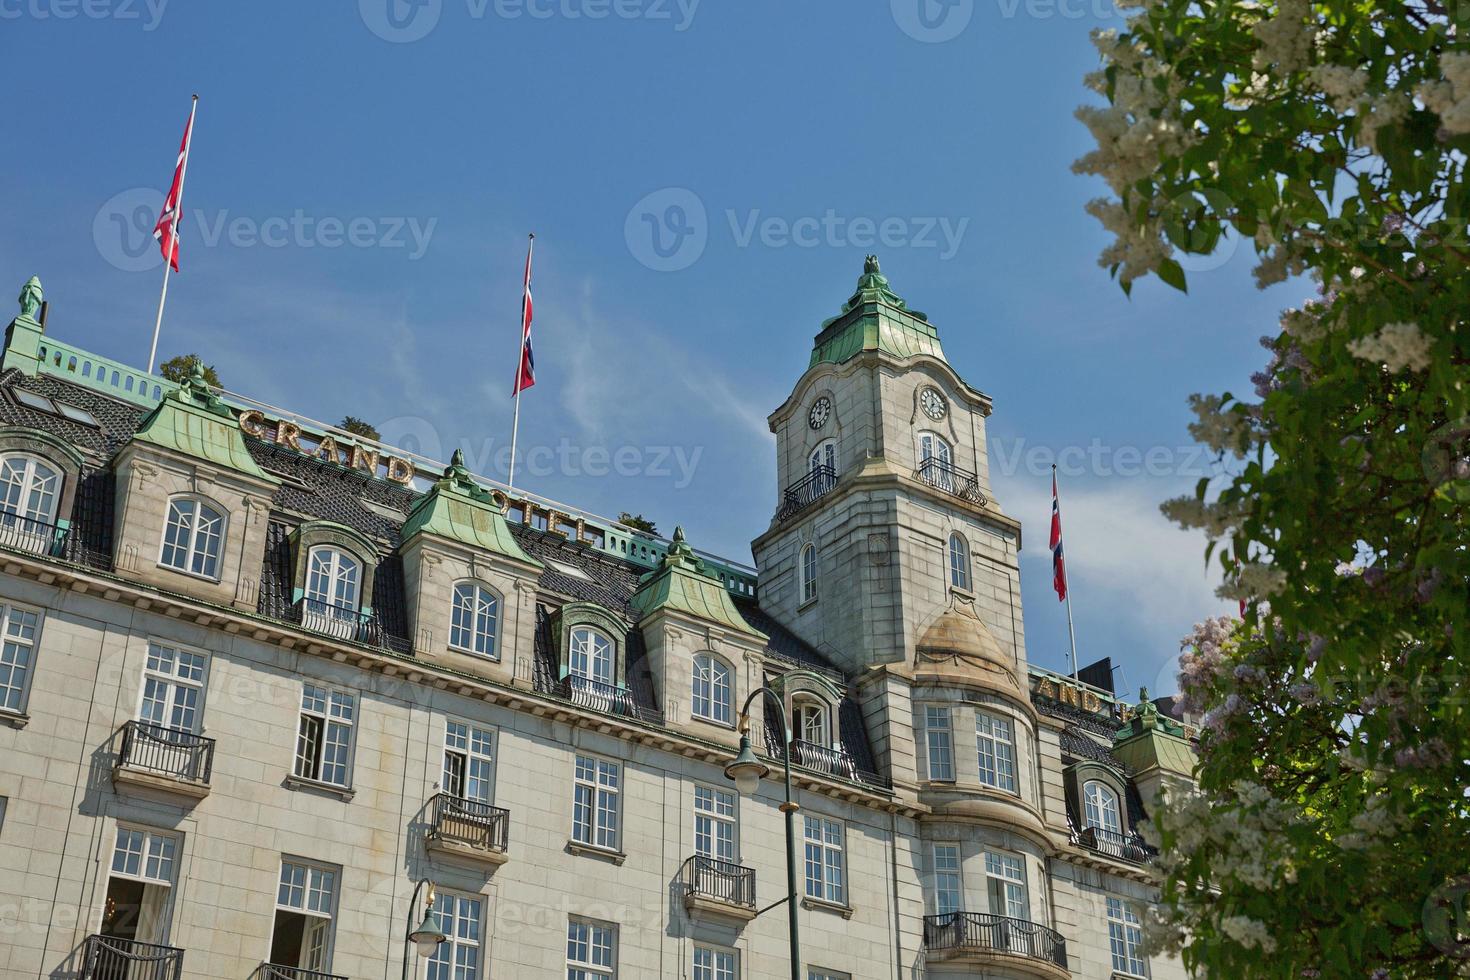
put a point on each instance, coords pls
(933, 403)
(819, 413)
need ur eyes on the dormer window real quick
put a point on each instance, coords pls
(959, 562)
(713, 690)
(591, 655)
(191, 537)
(333, 580)
(29, 488)
(475, 623)
(808, 573)
(809, 720)
(1100, 806)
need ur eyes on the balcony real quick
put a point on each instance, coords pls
(33, 537)
(996, 940)
(274, 971)
(822, 758)
(815, 484)
(945, 476)
(344, 623)
(112, 958)
(1120, 847)
(468, 829)
(718, 889)
(609, 699)
(154, 757)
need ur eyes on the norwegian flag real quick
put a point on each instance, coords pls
(167, 229)
(526, 372)
(1058, 562)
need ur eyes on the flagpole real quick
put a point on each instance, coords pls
(515, 429)
(1071, 633)
(174, 240)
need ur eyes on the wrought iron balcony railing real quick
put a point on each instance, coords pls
(960, 932)
(112, 958)
(274, 971)
(818, 482)
(471, 822)
(1124, 847)
(720, 881)
(345, 623)
(811, 755)
(166, 751)
(951, 479)
(28, 535)
(610, 699)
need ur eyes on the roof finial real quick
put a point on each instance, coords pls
(30, 298)
(870, 266)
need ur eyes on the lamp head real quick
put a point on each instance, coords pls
(746, 770)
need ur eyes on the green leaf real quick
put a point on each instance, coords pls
(1171, 273)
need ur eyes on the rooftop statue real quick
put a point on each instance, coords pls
(30, 298)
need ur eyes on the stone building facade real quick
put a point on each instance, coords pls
(270, 692)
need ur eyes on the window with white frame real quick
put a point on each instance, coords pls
(949, 891)
(1125, 937)
(939, 740)
(192, 537)
(596, 802)
(18, 629)
(714, 824)
(713, 692)
(1100, 806)
(469, 761)
(458, 957)
(475, 623)
(29, 489)
(821, 973)
(173, 688)
(1005, 885)
(809, 720)
(823, 457)
(592, 950)
(140, 884)
(333, 580)
(306, 901)
(591, 655)
(826, 877)
(808, 573)
(324, 738)
(959, 562)
(933, 447)
(995, 743)
(714, 963)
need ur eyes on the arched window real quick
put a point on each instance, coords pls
(591, 655)
(713, 691)
(191, 537)
(475, 623)
(1100, 802)
(822, 466)
(809, 720)
(808, 573)
(333, 580)
(959, 562)
(29, 487)
(933, 447)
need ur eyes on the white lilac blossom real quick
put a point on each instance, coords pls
(1253, 581)
(1286, 39)
(1277, 265)
(1221, 431)
(1248, 932)
(1377, 112)
(1450, 99)
(1397, 346)
(1215, 519)
(1342, 85)
(1138, 249)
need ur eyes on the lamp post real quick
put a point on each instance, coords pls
(746, 772)
(428, 934)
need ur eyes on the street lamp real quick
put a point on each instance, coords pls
(746, 771)
(428, 934)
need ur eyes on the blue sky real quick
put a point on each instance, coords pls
(789, 134)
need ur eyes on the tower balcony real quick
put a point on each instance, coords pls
(976, 939)
(816, 484)
(944, 475)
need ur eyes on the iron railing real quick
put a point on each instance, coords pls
(834, 762)
(721, 881)
(1124, 847)
(166, 751)
(345, 623)
(942, 475)
(469, 822)
(980, 932)
(113, 958)
(816, 483)
(47, 540)
(274, 971)
(610, 699)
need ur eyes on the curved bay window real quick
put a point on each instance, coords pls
(29, 490)
(192, 537)
(959, 562)
(713, 689)
(333, 592)
(475, 623)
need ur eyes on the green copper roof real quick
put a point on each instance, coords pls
(458, 508)
(875, 318)
(681, 583)
(194, 421)
(1152, 740)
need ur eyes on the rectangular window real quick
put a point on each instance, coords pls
(712, 963)
(140, 884)
(458, 957)
(592, 950)
(306, 900)
(173, 688)
(825, 874)
(324, 739)
(1005, 882)
(1125, 936)
(596, 801)
(714, 823)
(939, 738)
(819, 973)
(996, 744)
(949, 894)
(469, 762)
(18, 629)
